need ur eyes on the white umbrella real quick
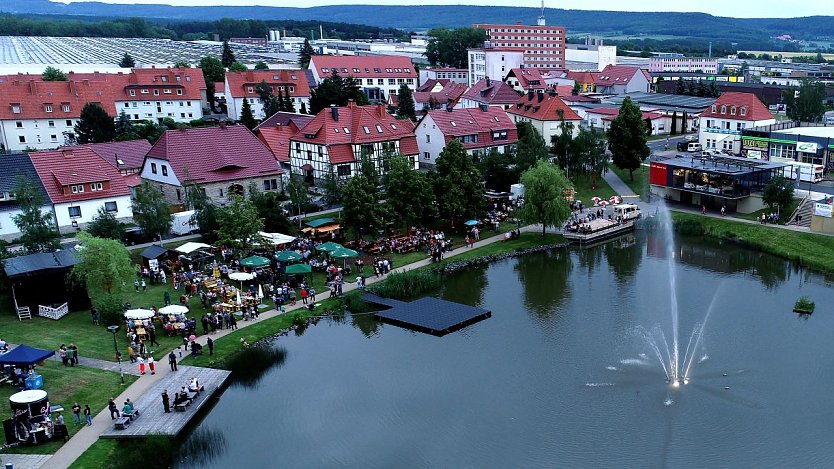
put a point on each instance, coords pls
(241, 276)
(603, 203)
(260, 291)
(238, 297)
(173, 309)
(139, 313)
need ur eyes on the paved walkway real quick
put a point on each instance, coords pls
(85, 437)
(103, 365)
(25, 461)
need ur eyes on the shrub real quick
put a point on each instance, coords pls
(804, 304)
(402, 286)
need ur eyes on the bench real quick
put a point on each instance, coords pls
(133, 415)
(121, 423)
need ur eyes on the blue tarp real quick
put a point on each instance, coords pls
(25, 355)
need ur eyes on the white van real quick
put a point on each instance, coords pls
(694, 147)
(627, 211)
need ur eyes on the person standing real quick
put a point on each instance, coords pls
(152, 334)
(76, 413)
(114, 410)
(88, 414)
(210, 344)
(172, 360)
(141, 361)
(144, 286)
(62, 351)
(152, 364)
(166, 403)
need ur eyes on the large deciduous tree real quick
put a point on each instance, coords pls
(457, 185)
(531, 146)
(409, 194)
(806, 102)
(297, 192)
(37, 228)
(53, 74)
(151, 212)
(239, 223)
(335, 90)
(237, 67)
(627, 138)
(213, 72)
(449, 47)
(105, 225)
(95, 125)
(105, 269)
(778, 193)
(268, 206)
(205, 212)
(545, 191)
(361, 205)
(125, 129)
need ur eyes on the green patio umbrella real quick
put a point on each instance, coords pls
(343, 253)
(288, 256)
(328, 246)
(255, 261)
(298, 269)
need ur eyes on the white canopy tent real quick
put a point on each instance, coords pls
(276, 238)
(138, 314)
(190, 247)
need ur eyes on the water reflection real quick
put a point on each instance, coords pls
(467, 289)
(249, 366)
(202, 447)
(544, 281)
(367, 323)
(624, 256)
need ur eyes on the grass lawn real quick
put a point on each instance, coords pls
(98, 455)
(65, 386)
(783, 216)
(584, 192)
(230, 344)
(816, 251)
(640, 184)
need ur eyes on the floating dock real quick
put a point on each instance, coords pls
(429, 315)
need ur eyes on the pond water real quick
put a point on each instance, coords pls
(557, 376)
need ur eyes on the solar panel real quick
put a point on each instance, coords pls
(433, 315)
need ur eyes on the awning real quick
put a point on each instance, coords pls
(25, 355)
(34, 264)
(276, 238)
(319, 222)
(154, 252)
(188, 248)
(307, 167)
(323, 229)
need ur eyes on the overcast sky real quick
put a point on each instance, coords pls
(737, 8)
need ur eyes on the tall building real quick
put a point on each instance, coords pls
(543, 46)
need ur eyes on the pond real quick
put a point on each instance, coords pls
(558, 375)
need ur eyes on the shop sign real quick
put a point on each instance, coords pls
(750, 143)
(806, 147)
(823, 210)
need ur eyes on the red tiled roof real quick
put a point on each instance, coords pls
(341, 153)
(219, 87)
(543, 107)
(240, 82)
(190, 81)
(619, 75)
(131, 153)
(213, 154)
(369, 66)
(408, 146)
(755, 110)
(491, 92)
(431, 82)
(460, 122)
(529, 78)
(277, 139)
(364, 124)
(58, 169)
(610, 113)
(578, 98)
(450, 93)
(582, 77)
(285, 118)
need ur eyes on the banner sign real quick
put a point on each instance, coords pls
(806, 147)
(822, 210)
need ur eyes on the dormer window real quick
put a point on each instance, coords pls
(65, 107)
(179, 92)
(344, 70)
(77, 189)
(47, 107)
(144, 91)
(388, 70)
(732, 110)
(167, 91)
(379, 128)
(714, 108)
(723, 109)
(366, 129)
(187, 78)
(250, 90)
(355, 70)
(16, 108)
(95, 186)
(133, 92)
(179, 78)
(163, 78)
(743, 111)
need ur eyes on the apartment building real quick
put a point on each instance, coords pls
(543, 46)
(378, 75)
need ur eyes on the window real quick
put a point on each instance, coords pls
(153, 168)
(743, 111)
(144, 91)
(133, 92)
(426, 155)
(47, 107)
(127, 104)
(77, 189)
(347, 131)
(164, 170)
(182, 115)
(250, 89)
(270, 184)
(343, 170)
(366, 129)
(732, 110)
(65, 107)
(392, 81)
(74, 212)
(96, 186)
(163, 78)
(179, 92)
(380, 81)
(53, 137)
(714, 108)
(16, 108)
(179, 195)
(156, 92)
(379, 128)
(187, 78)
(167, 91)
(723, 109)
(182, 104)
(111, 206)
(21, 139)
(188, 103)
(18, 124)
(428, 138)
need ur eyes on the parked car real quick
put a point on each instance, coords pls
(135, 235)
(711, 152)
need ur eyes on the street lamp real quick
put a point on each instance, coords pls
(113, 330)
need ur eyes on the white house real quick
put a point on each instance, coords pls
(622, 79)
(721, 124)
(545, 112)
(241, 86)
(378, 75)
(480, 130)
(14, 168)
(493, 63)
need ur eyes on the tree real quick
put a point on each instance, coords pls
(336, 90)
(457, 184)
(268, 206)
(246, 116)
(449, 47)
(306, 53)
(545, 190)
(127, 61)
(37, 228)
(590, 145)
(405, 103)
(531, 146)
(408, 195)
(778, 193)
(576, 89)
(151, 131)
(265, 95)
(53, 74)
(106, 270)
(297, 192)
(627, 138)
(237, 67)
(205, 212)
(228, 57)
(151, 211)
(713, 91)
(702, 89)
(332, 188)
(674, 130)
(124, 128)
(303, 108)
(498, 170)
(261, 65)
(213, 72)
(563, 146)
(361, 208)
(288, 104)
(239, 223)
(182, 64)
(105, 225)
(680, 87)
(806, 102)
(95, 125)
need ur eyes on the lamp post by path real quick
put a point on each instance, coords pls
(113, 330)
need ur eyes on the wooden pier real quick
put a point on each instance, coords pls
(153, 420)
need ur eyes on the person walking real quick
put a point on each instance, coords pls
(172, 360)
(152, 364)
(152, 334)
(114, 410)
(210, 344)
(141, 361)
(131, 355)
(62, 351)
(166, 403)
(76, 413)
(88, 414)
(144, 286)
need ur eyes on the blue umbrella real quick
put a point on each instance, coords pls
(471, 222)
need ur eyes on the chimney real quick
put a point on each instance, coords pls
(484, 107)
(182, 127)
(380, 110)
(67, 153)
(222, 125)
(529, 95)
(449, 107)
(334, 111)
(488, 82)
